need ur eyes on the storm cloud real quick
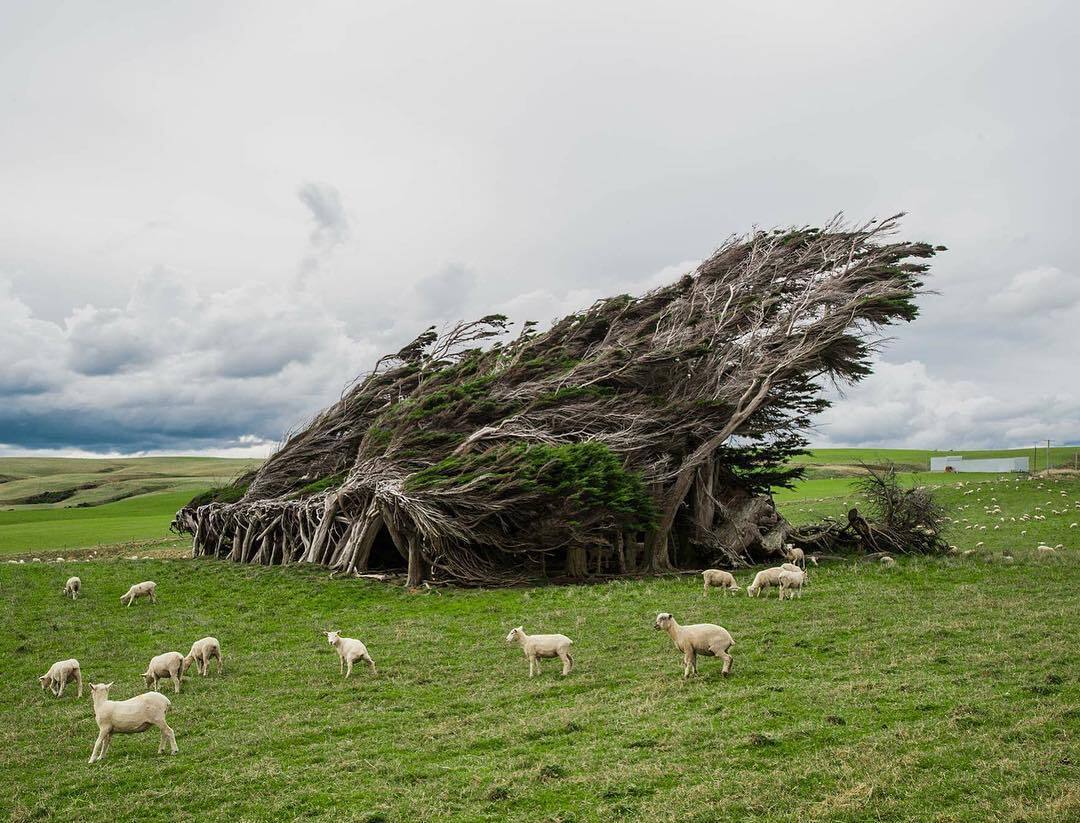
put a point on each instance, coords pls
(212, 221)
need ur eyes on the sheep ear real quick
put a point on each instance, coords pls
(108, 685)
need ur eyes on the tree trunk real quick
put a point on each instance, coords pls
(416, 563)
(576, 562)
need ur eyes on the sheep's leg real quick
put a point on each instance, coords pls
(706, 592)
(567, 663)
(348, 669)
(167, 736)
(221, 663)
(688, 664)
(175, 677)
(153, 597)
(341, 666)
(78, 679)
(105, 745)
(534, 663)
(97, 747)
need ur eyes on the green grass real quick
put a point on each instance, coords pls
(145, 494)
(97, 480)
(945, 689)
(880, 695)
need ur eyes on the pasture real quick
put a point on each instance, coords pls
(943, 689)
(100, 502)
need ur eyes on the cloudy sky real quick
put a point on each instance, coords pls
(213, 216)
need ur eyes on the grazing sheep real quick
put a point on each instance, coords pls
(700, 638)
(72, 587)
(1045, 550)
(762, 580)
(537, 646)
(59, 674)
(348, 651)
(201, 653)
(887, 562)
(144, 589)
(794, 554)
(791, 583)
(137, 714)
(721, 579)
(169, 665)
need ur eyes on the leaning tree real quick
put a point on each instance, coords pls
(641, 434)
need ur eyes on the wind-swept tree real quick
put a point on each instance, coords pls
(639, 434)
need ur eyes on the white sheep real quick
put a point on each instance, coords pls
(137, 714)
(795, 554)
(202, 651)
(169, 665)
(59, 674)
(538, 646)
(144, 589)
(721, 579)
(887, 562)
(791, 583)
(763, 580)
(72, 587)
(700, 638)
(349, 650)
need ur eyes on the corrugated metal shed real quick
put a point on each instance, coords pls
(993, 464)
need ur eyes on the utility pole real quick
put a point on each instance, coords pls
(1048, 455)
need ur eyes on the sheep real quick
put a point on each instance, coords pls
(537, 646)
(201, 653)
(137, 714)
(59, 674)
(762, 580)
(1045, 550)
(887, 562)
(170, 665)
(721, 579)
(72, 587)
(144, 589)
(795, 554)
(348, 651)
(700, 638)
(791, 583)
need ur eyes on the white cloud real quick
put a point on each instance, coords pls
(1036, 291)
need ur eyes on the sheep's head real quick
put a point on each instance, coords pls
(148, 678)
(735, 587)
(515, 634)
(331, 637)
(44, 681)
(100, 689)
(663, 620)
(186, 663)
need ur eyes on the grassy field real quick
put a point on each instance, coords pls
(111, 501)
(944, 689)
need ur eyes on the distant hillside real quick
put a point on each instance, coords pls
(822, 463)
(61, 482)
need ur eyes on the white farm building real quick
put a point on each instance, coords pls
(992, 464)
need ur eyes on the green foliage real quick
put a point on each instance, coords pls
(583, 479)
(232, 493)
(322, 484)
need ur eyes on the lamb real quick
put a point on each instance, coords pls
(72, 587)
(136, 714)
(144, 589)
(700, 638)
(762, 580)
(59, 674)
(791, 583)
(349, 650)
(795, 554)
(721, 579)
(201, 653)
(887, 562)
(538, 646)
(169, 665)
